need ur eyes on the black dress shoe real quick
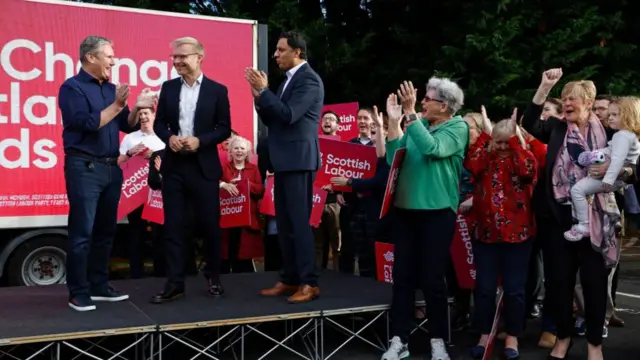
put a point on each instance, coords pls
(169, 293)
(214, 288)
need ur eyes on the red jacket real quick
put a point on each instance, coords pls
(502, 192)
(251, 238)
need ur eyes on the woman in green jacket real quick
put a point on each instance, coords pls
(425, 206)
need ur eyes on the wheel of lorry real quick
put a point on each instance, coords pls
(39, 261)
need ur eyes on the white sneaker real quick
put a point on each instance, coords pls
(439, 350)
(397, 350)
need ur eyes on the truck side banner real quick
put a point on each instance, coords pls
(39, 49)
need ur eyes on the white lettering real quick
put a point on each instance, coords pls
(352, 163)
(233, 200)
(136, 178)
(7, 66)
(50, 59)
(42, 148)
(231, 210)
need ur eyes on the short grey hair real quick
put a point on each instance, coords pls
(91, 45)
(448, 92)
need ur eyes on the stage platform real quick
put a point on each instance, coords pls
(39, 318)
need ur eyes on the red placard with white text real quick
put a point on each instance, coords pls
(39, 43)
(384, 262)
(394, 172)
(154, 208)
(343, 159)
(235, 211)
(319, 199)
(347, 114)
(135, 173)
(462, 253)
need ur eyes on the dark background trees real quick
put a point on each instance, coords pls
(496, 49)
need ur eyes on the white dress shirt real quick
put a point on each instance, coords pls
(151, 141)
(290, 74)
(188, 102)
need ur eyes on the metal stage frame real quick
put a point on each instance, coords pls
(151, 342)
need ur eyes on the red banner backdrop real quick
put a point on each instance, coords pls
(319, 199)
(346, 160)
(394, 172)
(347, 114)
(462, 253)
(235, 210)
(384, 262)
(39, 45)
(134, 186)
(154, 208)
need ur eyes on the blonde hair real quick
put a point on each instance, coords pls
(477, 119)
(504, 127)
(187, 40)
(629, 113)
(583, 89)
(239, 139)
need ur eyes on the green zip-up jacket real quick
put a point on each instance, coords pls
(429, 178)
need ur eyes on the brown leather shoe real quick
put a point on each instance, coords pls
(279, 289)
(304, 294)
(547, 340)
(616, 321)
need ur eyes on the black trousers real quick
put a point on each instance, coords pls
(293, 195)
(232, 264)
(422, 240)
(564, 258)
(184, 184)
(272, 252)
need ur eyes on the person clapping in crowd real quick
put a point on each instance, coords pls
(425, 206)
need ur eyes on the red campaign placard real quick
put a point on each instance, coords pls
(134, 185)
(462, 253)
(268, 207)
(154, 208)
(346, 160)
(347, 113)
(394, 172)
(330, 137)
(319, 199)
(384, 262)
(235, 211)
(40, 54)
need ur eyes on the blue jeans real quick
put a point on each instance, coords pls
(511, 261)
(93, 191)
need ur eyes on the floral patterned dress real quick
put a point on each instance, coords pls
(502, 191)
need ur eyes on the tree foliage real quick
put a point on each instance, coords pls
(495, 49)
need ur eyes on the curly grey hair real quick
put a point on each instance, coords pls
(448, 92)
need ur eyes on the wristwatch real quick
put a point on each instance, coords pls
(129, 154)
(349, 182)
(411, 117)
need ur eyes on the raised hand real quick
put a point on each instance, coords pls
(377, 117)
(408, 97)
(551, 77)
(122, 94)
(394, 110)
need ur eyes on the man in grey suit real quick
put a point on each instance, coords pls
(292, 116)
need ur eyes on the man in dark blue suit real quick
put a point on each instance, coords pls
(292, 116)
(193, 117)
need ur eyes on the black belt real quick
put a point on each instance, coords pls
(98, 159)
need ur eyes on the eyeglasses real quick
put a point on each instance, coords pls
(181, 56)
(427, 99)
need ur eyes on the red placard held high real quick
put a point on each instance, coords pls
(347, 113)
(346, 160)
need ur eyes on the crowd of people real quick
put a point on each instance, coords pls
(567, 163)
